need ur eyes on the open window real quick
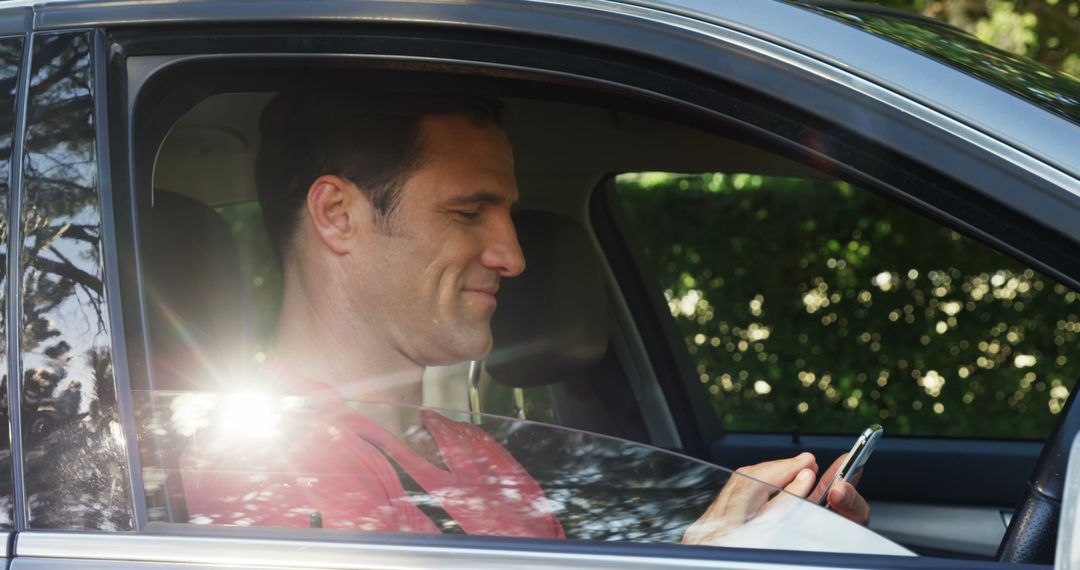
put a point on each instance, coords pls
(585, 338)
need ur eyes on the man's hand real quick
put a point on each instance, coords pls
(744, 498)
(843, 498)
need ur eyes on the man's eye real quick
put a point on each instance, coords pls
(469, 215)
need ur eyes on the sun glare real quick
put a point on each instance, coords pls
(250, 414)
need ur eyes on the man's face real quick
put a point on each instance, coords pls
(429, 281)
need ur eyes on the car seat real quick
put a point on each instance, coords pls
(552, 329)
(196, 315)
(194, 297)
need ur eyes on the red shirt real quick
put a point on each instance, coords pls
(327, 458)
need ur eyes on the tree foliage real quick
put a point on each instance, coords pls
(815, 306)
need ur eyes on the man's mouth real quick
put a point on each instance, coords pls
(482, 294)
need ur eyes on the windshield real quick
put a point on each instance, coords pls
(254, 459)
(1038, 83)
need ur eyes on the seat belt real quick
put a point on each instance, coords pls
(423, 500)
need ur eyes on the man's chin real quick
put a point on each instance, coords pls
(462, 348)
(482, 350)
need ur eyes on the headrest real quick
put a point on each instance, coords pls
(552, 321)
(193, 286)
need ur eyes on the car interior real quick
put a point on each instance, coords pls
(577, 347)
(568, 348)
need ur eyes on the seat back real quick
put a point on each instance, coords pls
(552, 320)
(195, 301)
(552, 329)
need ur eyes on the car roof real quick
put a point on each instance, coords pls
(864, 7)
(798, 28)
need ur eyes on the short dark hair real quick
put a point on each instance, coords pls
(373, 141)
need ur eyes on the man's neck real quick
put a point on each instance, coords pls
(319, 340)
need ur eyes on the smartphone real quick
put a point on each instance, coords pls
(856, 459)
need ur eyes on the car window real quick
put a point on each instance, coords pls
(216, 289)
(313, 460)
(73, 445)
(214, 154)
(813, 305)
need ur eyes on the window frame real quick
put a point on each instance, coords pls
(241, 548)
(13, 292)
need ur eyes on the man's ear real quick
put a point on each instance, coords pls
(336, 208)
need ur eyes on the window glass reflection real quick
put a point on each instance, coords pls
(300, 456)
(10, 58)
(1048, 87)
(75, 459)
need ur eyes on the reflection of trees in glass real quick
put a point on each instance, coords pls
(816, 306)
(10, 58)
(1047, 31)
(608, 489)
(599, 488)
(75, 460)
(1059, 29)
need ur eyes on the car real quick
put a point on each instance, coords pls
(752, 229)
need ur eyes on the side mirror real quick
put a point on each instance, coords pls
(1068, 545)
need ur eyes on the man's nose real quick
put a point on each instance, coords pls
(503, 253)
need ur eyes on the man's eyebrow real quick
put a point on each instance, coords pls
(481, 197)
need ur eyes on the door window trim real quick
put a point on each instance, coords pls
(99, 53)
(13, 309)
(281, 548)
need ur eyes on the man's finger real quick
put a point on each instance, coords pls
(803, 483)
(827, 478)
(800, 487)
(796, 475)
(782, 472)
(848, 503)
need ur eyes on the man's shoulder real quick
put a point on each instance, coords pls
(281, 438)
(464, 430)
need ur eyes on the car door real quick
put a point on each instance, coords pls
(981, 479)
(85, 189)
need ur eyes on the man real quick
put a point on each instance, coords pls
(391, 219)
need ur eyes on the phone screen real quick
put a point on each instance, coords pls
(855, 460)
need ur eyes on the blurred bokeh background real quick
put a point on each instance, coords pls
(815, 306)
